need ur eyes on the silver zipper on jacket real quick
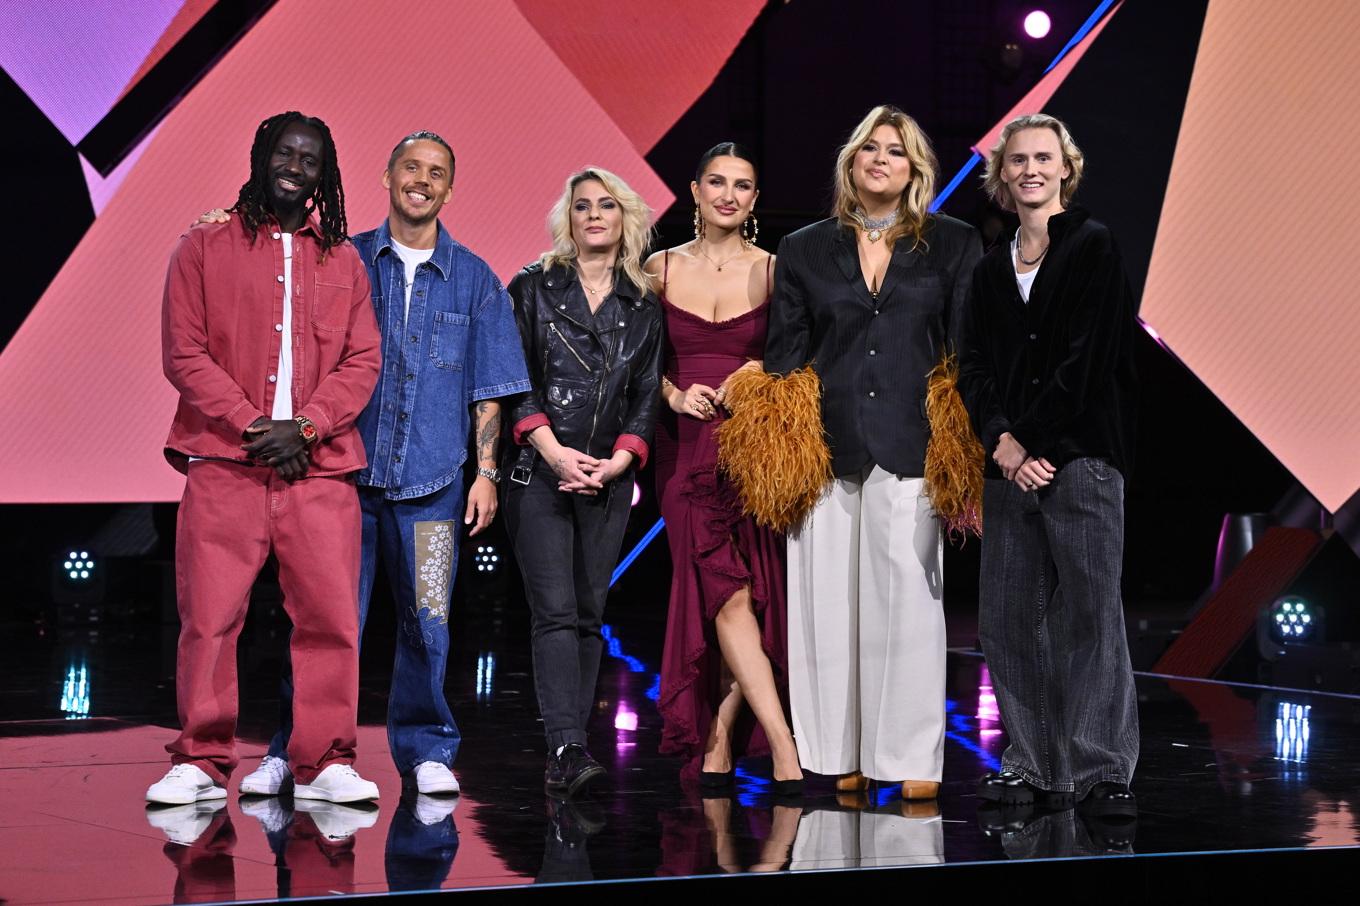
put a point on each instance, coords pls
(552, 325)
(599, 397)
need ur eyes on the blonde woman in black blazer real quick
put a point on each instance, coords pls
(871, 298)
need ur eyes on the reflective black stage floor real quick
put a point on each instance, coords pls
(86, 713)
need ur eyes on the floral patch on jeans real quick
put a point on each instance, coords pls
(434, 568)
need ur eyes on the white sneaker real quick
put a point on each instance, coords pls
(338, 822)
(183, 824)
(268, 779)
(182, 784)
(337, 783)
(435, 778)
(430, 810)
(269, 812)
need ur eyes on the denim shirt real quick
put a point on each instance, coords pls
(458, 344)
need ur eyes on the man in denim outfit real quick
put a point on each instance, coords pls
(449, 344)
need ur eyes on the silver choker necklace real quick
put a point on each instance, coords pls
(874, 226)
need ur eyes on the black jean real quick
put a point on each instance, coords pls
(1051, 622)
(567, 546)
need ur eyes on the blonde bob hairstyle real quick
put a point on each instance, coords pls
(913, 212)
(637, 226)
(992, 183)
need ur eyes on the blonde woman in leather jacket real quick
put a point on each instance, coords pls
(592, 339)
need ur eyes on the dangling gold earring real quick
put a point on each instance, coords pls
(698, 225)
(750, 229)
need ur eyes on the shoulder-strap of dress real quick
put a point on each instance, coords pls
(769, 280)
(665, 269)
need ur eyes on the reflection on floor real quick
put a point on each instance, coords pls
(86, 716)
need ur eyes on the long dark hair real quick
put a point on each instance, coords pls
(252, 204)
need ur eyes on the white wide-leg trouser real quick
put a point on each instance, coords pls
(867, 633)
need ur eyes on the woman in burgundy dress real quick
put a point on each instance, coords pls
(724, 659)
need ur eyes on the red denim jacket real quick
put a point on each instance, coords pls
(221, 327)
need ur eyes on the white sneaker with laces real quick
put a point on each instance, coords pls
(268, 779)
(337, 783)
(182, 784)
(184, 824)
(435, 778)
(338, 822)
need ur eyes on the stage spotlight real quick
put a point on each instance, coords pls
(1037, 24)
(487, 559)
(76, 578)
(1291, 620)
(78, 565)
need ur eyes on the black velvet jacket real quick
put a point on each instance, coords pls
(1057, 373)
(872, 355)
(596, 377)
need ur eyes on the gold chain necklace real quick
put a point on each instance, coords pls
(592, 290)
(718, 264)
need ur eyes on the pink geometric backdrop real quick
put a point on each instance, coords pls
(82, 375)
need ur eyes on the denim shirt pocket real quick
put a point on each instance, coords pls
(448, 344)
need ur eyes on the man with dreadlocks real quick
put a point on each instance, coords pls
(269, 337)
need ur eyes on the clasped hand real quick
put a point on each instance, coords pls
(586, 475)
(277, 443)
(1028, 472)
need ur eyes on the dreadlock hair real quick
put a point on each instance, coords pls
(252, 204)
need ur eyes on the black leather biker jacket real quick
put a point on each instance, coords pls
(596, 377)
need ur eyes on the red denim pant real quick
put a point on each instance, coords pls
(230, 518)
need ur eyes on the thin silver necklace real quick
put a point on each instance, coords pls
(1020, 250)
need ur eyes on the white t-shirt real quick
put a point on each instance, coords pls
(1023, 281)
(283, 378)
(283, 387)
(412, 259)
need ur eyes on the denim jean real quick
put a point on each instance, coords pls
(566, 546)
(418, 543)
(1051, 623)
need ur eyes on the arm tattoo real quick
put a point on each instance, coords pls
(488, 430)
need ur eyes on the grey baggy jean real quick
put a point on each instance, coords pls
(1051, 624)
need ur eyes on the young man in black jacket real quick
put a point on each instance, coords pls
(1047, 374)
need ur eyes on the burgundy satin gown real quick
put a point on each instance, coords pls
(715, 551)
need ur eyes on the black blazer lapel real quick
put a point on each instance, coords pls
(847, 259)
(904, 258)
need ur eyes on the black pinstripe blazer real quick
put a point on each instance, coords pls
(872, 356)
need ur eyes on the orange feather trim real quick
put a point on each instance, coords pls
(954, 455)
(774, 447)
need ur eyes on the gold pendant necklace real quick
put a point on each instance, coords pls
(718, 264)
(590, 289)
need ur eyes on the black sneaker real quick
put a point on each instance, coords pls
(1108, 799)
(572, 771)
(1010, 789)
